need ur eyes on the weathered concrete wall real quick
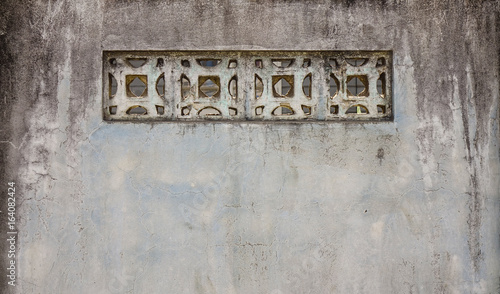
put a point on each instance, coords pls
(409, 206)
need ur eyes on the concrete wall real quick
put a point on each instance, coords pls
(409, 206)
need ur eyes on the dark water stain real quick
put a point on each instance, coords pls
(380, 155)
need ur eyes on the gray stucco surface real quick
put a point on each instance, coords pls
(407, 206)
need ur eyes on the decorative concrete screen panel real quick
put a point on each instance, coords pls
(247, 85)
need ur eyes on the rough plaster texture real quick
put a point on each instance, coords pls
(409, 206)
